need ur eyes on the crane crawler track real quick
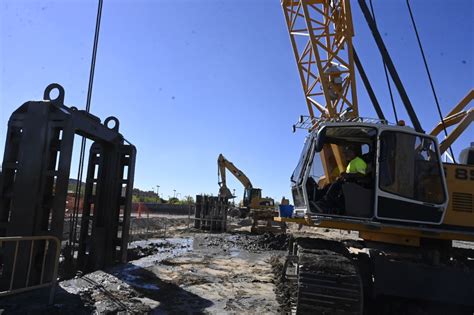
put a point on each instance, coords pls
(328, 283)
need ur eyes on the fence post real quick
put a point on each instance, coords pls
(189, 216)
(147, 223)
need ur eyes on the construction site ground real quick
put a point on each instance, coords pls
(189, 272)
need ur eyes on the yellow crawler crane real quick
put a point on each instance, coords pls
(408, 208)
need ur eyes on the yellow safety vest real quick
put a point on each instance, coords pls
(357, 165)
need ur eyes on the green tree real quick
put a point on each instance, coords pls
(187, 200)
(173, 200)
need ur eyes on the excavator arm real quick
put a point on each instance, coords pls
(222, 165)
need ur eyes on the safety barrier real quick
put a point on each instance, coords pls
(45, 247)
(155, 225)
(146, 227)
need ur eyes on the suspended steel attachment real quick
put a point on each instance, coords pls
(35, 178)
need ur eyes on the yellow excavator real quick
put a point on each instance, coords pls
(413, 212)
(253, 204)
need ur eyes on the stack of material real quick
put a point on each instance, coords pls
(211, 213)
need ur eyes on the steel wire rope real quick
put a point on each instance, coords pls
(77, 194)
(429, 76)
(385, 70)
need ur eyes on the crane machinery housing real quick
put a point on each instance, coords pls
(408, 208)
(253, 204)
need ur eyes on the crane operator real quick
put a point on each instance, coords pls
(333, 201)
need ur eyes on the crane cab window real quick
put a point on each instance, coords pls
(410, 168)
(297, 176)
(341, 177)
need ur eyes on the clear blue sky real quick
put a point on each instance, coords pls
(192, 79)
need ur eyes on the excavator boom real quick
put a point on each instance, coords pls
(222, 165)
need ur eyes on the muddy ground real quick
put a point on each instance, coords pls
(178, 270)
(188, 272)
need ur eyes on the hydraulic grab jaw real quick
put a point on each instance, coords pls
(35, 181)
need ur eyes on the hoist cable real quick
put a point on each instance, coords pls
(385, 70)
(391, 67)
(429, 75)
(94, 55)
(77, 194)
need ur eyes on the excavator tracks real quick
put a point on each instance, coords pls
(328, 283)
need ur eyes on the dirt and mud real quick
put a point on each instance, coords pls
(178, 270)
(188, 272)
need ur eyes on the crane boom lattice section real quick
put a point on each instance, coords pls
(321, 36)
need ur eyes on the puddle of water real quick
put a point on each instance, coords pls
(167, 248)
(131, 273)
(228, 245)
(171, 247)
(130, 276)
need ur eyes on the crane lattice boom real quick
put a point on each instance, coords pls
(321, 36)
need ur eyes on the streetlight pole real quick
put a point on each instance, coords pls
(157, 193)
(174, 193)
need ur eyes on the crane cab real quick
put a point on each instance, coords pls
(403, 179)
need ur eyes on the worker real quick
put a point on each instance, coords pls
(333, 201)
(356, 165)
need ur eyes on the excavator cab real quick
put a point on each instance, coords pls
(250, 194)
(253, 199)
(403, 179)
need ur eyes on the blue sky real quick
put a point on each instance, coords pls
(192, 79)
